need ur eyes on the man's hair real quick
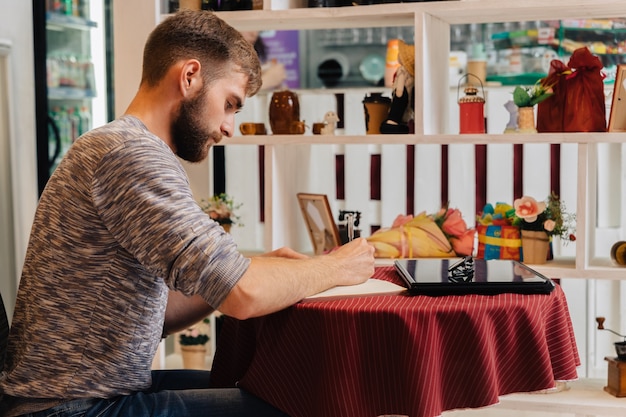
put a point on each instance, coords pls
(201, 35)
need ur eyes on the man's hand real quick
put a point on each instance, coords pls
(274, 282)
(356, 260)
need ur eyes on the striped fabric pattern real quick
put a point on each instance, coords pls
(415, 356)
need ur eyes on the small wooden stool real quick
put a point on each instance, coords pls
(616, 379)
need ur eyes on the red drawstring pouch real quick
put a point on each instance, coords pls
(577, 104)
(585, 110)
(550, 111)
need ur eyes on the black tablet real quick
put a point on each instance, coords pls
(436, 276)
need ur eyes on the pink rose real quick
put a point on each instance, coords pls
(528, 208)
(401, 220)
(464, 244)
(549, 225)
(453, 223)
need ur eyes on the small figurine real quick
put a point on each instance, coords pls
(330, 123)
(401, 110)
(511, 126)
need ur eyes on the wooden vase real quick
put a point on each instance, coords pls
(526, 120)
(535, 246)
(194, 356)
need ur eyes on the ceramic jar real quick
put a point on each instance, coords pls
(376, 108)
(284, 111)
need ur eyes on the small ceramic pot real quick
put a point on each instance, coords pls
(284, 110)
(297, 127)
(252, 128)
(247, 128)
(376, 108)
(317, 128)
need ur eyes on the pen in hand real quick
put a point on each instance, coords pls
(350, 221)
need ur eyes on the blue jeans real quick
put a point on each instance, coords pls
(174, 393)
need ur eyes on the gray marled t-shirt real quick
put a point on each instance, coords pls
(115, 228)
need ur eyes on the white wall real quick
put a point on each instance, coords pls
(16, 29)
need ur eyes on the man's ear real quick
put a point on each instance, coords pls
(190, 78)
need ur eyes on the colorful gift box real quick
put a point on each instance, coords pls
(499, 242)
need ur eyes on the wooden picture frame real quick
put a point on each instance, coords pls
(617, 118)
(319, 221)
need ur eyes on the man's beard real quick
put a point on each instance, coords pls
(190, 137)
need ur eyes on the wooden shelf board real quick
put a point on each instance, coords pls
(380, 15)
(403, 14)
(486, 11)
(417, 139)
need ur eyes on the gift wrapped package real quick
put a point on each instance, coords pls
(499, 242)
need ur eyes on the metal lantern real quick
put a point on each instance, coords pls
(471, 109)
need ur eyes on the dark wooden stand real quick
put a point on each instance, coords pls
(616, 380)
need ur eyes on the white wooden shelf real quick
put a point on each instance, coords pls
(404, 14)
(565, 267)
(425, 139)
(486, 11)
(431, 22)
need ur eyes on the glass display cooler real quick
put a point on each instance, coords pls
(72, 59)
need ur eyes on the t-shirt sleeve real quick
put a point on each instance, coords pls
(142, 194)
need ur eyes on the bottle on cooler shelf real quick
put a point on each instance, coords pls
(62, 121)
(53, 75)
(76, 8)
(85, 119)
(74, 124)
(67, 7)
(89, 78)
(54, 6)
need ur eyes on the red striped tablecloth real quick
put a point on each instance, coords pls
(398, 354)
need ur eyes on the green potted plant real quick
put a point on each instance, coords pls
(525, 98)
(193, 345)
(540, 221)
(222, 208)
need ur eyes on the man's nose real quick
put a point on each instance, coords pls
(228, 127)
